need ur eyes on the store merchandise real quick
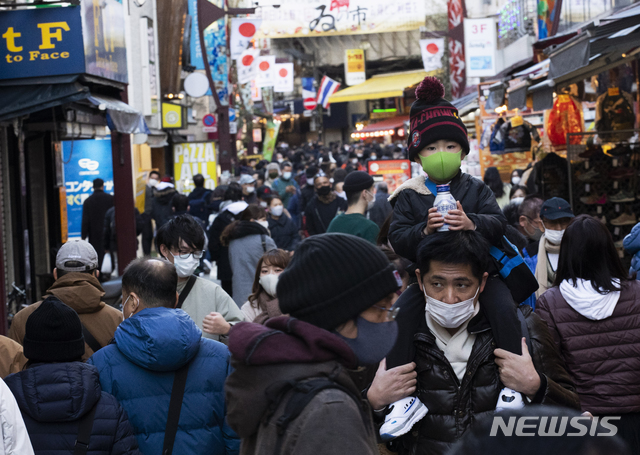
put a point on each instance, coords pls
(592, 152)
(589, 175)
(622, 173)
(622, 196)
(624, 220)
(516, 135)
(614, 112)
(593, 199)
(550, 178)
(565, 117)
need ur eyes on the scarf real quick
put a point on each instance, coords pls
(269, 307)
(544, 273)
(247, 228)
(328, 199)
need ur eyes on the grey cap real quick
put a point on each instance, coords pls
(246, 179)
(78, 251)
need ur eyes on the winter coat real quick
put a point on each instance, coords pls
(245, 250)
(631, 245)
(139, 369)
(218, 251)
(295, 209)
(94, 209)
(318, 216)
(307, 194)
(162, 209)
(110, 234)
(284, 232)
(53, 397)
(11, 357)
(412, 200)
(15, 438)
(603, 356)
(82, 292)
(286, 349)
(381, 209)
(280, 187)
(454, 406)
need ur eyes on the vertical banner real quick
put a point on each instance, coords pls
(284, 78)
(191, 158)
(266, 71)
(141, 190)
(242, 32)
(256, 92)
(456, 12)
(354, 67)
(247, 66)
(215, 38)
(271, 136)
(267, 100)
(194, 40)
(548, 17)
(86, 160)
(432, 52)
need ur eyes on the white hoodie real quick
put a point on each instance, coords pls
(587, 301)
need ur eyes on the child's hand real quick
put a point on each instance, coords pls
(458, 220)
(434, 222)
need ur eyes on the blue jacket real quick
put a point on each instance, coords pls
(280, 186)
(139, 370)
(532, 263)
(631, 245)
(53, 397)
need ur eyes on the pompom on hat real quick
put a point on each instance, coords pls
(433, 118)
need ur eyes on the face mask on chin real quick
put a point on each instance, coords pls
(185, 267)
(450, 316)
(374, 341)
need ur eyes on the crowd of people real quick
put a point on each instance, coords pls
(346, 319)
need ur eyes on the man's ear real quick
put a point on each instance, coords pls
(483, 282)
(55, 273)
(419, 276)
(522, 220)
(164, 251)
(96, 273)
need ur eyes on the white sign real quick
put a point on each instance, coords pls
(247, 66)
(266, 71)
(480, 43)
(242, 32)
(432, 52)
(284, 78)
(233, 127)
(354, 68)
(256, 92)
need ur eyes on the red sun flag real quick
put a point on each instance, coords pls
(432, 48)
(283, 72)
(264, 66)
(247, 60)
(247, 29)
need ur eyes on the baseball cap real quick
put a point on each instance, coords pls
(76, 252)
(556, 208)
(245, 179)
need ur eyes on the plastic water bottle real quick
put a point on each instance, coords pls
(444, 202)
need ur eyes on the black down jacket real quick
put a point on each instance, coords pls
(412, 200)
(54, 397)
(454, 406)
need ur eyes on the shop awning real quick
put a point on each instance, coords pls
(381, 86)
(386, 124)
(17, 101)
(120, 116)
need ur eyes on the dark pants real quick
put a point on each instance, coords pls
(147, 233)
(629, 430)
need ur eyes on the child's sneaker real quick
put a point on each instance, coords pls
(509, 399)
(402, 417)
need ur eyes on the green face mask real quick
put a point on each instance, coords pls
(442, 166)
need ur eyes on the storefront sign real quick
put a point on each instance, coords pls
(88, 160)
(104, 43)
(480, 47)
(354, 67)
(172, 116)
(392, 172)
(191, 158)
(337, 17)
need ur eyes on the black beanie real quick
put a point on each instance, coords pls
(333, 278)
(433, 118)
(357, 181)
(53, 333)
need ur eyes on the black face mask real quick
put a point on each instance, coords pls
(374, 341)
(323, 190)
(273, 175)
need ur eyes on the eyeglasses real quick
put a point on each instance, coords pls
(391, 312)
(195, 254)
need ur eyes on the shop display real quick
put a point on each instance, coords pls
(550, 178)
(614, 113)
(516, 136)
(565, 117)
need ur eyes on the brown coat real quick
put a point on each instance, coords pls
(11, 358)
(83, 293)
(603, 357)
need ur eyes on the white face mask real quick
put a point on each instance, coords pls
(251, 189)
(553, 236)
(280, 160)
(373, 157)
(517, 200)
(354, 160)
(264, 204)
(153, 182)
(515, 180)
(372, 202)
(269, 283)
(277, 210)
(286, 175)
(264, 224)
(450, 316)
(185, 267)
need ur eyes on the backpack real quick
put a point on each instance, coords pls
(198, 207)
(513, 271)
(615, 114)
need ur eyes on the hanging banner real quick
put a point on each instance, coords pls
(354, 68)
(194, 39)
(295, 18)
(271, 136)
(266, 71)
(432, 53)
(481, 44)
(242, 32)
(267, 99)
(104, 41)
(256, 92)
(284, 78)
(549, 17)
(456, 12)
(191, 158)
(245, 95)
(248, 66)
(215, 38)
(85, 160)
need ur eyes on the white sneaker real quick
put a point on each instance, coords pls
(403, 416)
(509, 399)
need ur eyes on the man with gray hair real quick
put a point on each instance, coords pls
(381, 208)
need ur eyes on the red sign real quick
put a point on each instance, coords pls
(309, 103)
(392, 172)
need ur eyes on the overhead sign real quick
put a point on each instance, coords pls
(295, 18)
(215, 37)
(354, 68)
(393, 172)
(480, 42)
(191, 158)
(172, 116)
(284, 78)
(85, 160)
(242, 32)
(247, 66)
(432, 52)
(266, 71)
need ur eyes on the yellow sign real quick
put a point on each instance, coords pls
(354, 67)
(191, 158)
(172, 116)
(64, 220)
(141, 190)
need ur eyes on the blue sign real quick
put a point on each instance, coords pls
(232, 114)
(87, 160)
(41, 42)
(194, 42)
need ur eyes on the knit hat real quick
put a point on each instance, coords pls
(433, 118)
(357, 181)
(53, 333)
(333, 278)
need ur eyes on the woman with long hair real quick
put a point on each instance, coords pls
(593, 313)
(248, 239)
(500, 189)
(263, 301)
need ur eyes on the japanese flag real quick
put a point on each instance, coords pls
(284, 78)
(242, 32)
(247, 66)
(266, 71)
(432, 52)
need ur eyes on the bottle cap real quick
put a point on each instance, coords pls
(442, 188)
